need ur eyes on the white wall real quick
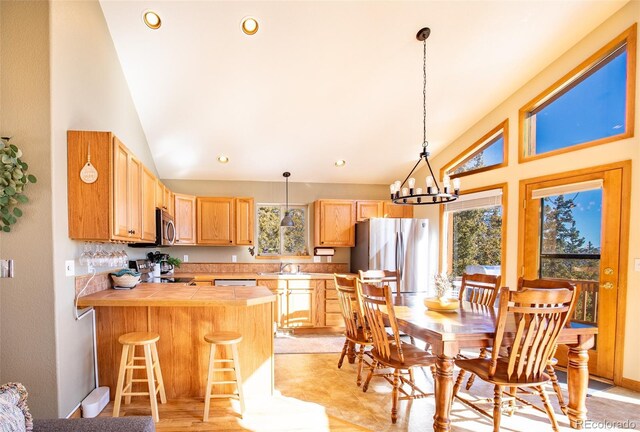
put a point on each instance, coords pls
(27, 337)
(88, 92)
(628, 149)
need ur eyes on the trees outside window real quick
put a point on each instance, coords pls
(274, 240)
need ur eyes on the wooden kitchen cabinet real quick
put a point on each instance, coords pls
(148, 205)
(159, 194)
(392, 210)
(368, 209)
(215, 221)
(296, 301)
(244, 221)
(332, 313)
(111, 207)
(185, 219)
(335, 223)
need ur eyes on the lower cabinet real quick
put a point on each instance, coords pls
(302, 304)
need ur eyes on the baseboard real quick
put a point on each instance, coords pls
(630, 384)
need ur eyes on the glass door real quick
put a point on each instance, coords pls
(572, 231)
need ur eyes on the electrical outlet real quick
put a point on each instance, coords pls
(185, 258)
(317, 259)
(636, 264)
(69, 268)
(234, 258)
(328, 259)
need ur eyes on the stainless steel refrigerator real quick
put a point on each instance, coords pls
(390, 244)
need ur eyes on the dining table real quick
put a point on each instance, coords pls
(473, 326)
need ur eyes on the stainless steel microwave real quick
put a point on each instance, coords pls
(165, 231)
(165, 228)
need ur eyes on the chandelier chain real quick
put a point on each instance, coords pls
(424, 94)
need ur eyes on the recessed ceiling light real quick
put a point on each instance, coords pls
(340, 163)
(250, 25)
(223, 159)
(152, 19)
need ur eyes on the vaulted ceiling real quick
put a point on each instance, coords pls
(328, 80)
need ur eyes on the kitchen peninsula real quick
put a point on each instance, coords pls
(182, 315)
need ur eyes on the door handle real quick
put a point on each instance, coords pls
(607, 285)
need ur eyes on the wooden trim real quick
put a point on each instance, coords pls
(629, 384)
(476, 148)
(629, 35)
(503, 249)
(623, 268)
(625, 210)
(281, 257)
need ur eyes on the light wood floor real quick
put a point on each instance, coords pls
(312, 394)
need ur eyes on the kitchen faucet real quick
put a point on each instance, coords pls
(285, 265)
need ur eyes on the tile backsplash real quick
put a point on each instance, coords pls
(190, 267)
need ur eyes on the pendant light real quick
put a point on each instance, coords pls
(286, 220)
(432, 194)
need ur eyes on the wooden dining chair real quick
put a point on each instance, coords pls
(388, 350)
(356, 330)
(553, 284)
(528, 324)
(479, 289)
(381, 278)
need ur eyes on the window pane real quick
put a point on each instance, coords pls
(592, 109)
(477, 238)
(571, 224)
(491, 155)
(269, 230)
(570, 269)
(294, 238)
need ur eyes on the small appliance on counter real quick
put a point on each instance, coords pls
(144, 267)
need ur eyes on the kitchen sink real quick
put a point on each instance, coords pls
(283, 274)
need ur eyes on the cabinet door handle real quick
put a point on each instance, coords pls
(230, 241)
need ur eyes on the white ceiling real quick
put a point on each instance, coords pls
(328, 80)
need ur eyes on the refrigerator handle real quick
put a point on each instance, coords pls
(400, 264)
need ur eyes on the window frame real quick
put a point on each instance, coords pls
(574, 78)
(477, 147)
(503, 241)
(258, 255)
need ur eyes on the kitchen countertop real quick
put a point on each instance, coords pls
(234, 275)
(176, 295)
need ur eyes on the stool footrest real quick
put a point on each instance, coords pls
(224, 396)
(135, 393)
(223, 370)
(223, 361)
(223, 382)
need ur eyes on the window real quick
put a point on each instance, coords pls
(274, 240)
(591, 105)
(473, 233)
(489, 152)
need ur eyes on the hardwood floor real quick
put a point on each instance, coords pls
(312, 394)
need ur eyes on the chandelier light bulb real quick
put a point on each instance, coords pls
(405, 191)
(446, 181)
(418, 191)
(429, 181)
(412, 183)
(456, 184)
(397, 185)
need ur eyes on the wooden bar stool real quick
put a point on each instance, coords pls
(223, 338)
(151, 364)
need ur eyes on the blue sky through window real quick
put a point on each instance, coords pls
(587, 213)
(492, 155)
(593, 109)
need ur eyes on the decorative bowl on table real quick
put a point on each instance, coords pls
(125, 278)
(442, 304)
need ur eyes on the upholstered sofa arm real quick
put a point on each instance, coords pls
(14, 412)
(98, 424)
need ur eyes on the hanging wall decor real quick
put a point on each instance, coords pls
(13, 181)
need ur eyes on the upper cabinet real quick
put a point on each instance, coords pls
(391, 210)
(244, 221)
(115, 205)
(185, 219)
(368, 209)
(148, 205)
(215, 221)
(335, 223)
(223, 221)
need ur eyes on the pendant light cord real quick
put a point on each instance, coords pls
(424, 94)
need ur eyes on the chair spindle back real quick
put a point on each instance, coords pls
(349, 304)
(376, 303)
(552, 284)
(539, 315)
(482, 289)
(380, 277)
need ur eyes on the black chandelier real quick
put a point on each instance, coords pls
(432, 194)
